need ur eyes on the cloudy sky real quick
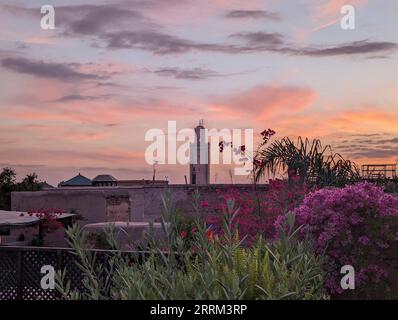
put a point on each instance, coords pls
(81, 97)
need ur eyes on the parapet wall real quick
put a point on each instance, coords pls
(100, 204)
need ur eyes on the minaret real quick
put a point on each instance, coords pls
(199, 168)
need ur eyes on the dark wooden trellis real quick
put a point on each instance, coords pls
(20, 271)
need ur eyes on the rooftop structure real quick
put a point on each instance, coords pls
(128, 183)
(104, 180)
(78, 181)
(379, 171)
(21, 229)
(107, 180)
(44, 185)
(20, 219)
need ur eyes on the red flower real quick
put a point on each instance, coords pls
(210, 235)
(193, 230)
(205, 204)
(183, 234)
(258, 163)
(267, 134)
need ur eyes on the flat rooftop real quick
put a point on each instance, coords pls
(18, 219)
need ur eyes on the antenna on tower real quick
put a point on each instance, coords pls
(201, 122)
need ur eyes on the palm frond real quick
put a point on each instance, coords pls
(313, 162)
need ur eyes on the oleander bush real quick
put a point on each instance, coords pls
(356, 225)
(213, 267)
(257, 212)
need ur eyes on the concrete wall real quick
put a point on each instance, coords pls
(14, 237)
(96, 204)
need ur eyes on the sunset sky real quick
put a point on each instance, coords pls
(81, 97)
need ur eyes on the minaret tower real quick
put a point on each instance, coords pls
(199, 168)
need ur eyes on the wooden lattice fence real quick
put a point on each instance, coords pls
(20, 268)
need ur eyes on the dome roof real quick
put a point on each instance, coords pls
(104, 178)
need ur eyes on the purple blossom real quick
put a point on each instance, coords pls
(350, 225)
(364, 240)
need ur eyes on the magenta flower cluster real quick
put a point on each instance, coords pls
(257, 212)
(355, 226)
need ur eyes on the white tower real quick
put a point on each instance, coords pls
(199, 168)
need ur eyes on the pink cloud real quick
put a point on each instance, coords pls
(63, 134)
(262, 102)
(117, 110)
(330, 8)
(59, 157)
(324, 14)
(328, 12)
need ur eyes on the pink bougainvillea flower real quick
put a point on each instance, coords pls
(351, 226)
(205, 204)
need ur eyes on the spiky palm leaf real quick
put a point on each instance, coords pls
(313, 162)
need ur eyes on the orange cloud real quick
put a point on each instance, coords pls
(368, 119)
(363, 120)
(263, 102)
(41, 40)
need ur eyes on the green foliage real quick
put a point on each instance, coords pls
(98, 276)
(313, 163)
(29, 183)
(213, 268)
(9, 184)
(7, 177)
(98, 240)
(389, 185)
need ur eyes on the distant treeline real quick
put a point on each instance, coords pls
(8, 184)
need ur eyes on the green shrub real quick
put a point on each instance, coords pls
(214, 268)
